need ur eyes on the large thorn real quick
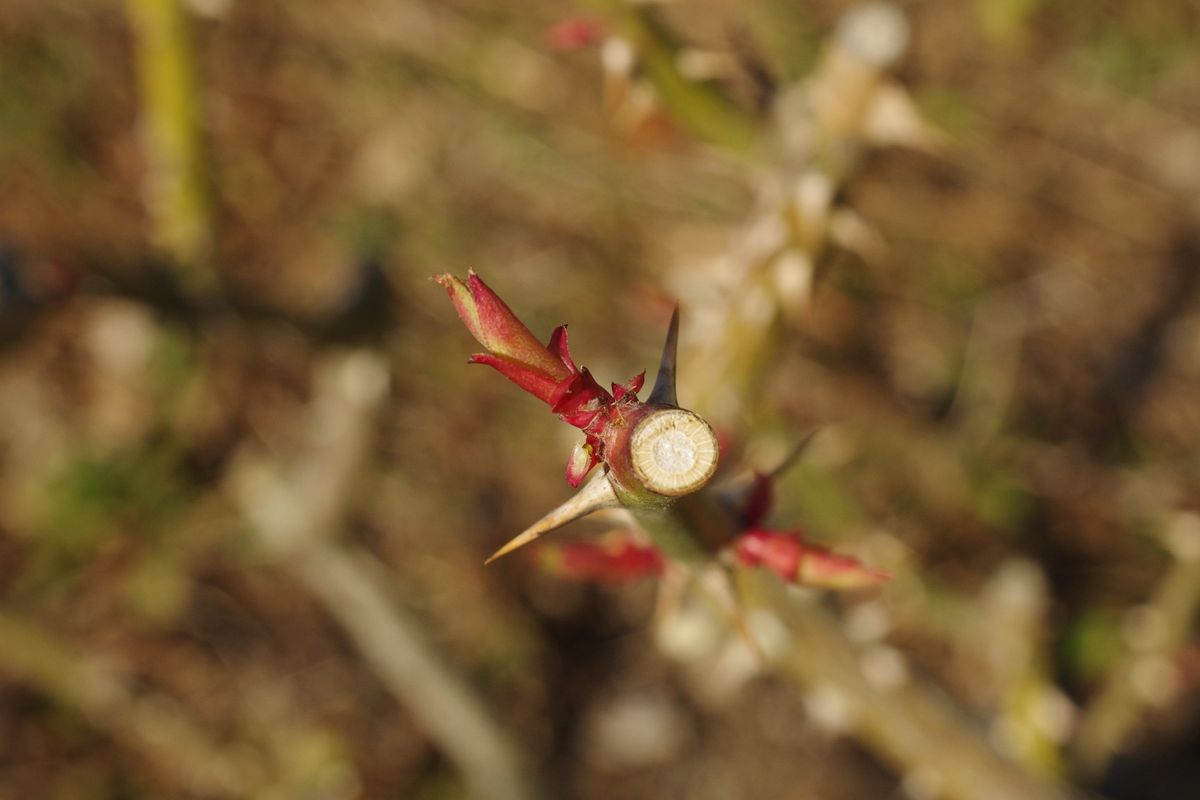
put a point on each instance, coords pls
(596, 494)
(664, 384)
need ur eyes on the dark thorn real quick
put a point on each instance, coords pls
(664, 384)
(793, 456)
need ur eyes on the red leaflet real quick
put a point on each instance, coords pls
(496, 327)
(631, 388)
(829, 570)
(538, 384)
(558, 346)
(616, 559)
(787, 555)
(580, 400)
(546, 371)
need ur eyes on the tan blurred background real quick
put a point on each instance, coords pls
(247, 481)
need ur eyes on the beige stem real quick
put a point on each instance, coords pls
(295, 516)
(906, 722)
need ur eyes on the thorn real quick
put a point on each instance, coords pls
(664, 384)
(793, 455)
(598, 493)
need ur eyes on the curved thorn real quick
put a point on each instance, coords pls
(664, 384)
(596, 494)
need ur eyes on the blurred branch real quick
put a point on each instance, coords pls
(1145, 676)
(145, 721)
(821, 128)
(1034, 717)
(701, 109)
(295, 515)
(936, 751)
(176, 194)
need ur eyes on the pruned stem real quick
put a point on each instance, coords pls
(673, 452)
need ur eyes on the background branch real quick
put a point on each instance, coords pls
(297, 517)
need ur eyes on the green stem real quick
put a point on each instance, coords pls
(690, 530)
(704, 111)
(670, 534)
(176, 193)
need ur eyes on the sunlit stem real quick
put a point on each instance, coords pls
(174, 185)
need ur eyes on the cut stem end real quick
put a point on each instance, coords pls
(674, 452)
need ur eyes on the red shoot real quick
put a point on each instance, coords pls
(615, 559)
(791, 558)
(546, 371)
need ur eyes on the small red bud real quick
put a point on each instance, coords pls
(574, 34)
(582, 459)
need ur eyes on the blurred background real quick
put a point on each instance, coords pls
(247, 481)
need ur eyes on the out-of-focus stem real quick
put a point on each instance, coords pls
(823, 125)
(821, 128)
(1034, 716)
(174, 186)
(144, 721)
(702, 110)
(1145, 676)
(295, 517)
(932, 746)
(905, 722)
(353, 588)
(692, 530)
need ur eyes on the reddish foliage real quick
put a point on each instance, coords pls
(546, 371)
(617, 559)
(791, 558)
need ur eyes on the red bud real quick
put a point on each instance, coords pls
(795, 561)
(615, 559)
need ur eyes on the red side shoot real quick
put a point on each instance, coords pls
(546, 371)
(613, 559)
(791, 558)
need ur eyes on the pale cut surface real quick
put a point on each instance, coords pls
(674, 452)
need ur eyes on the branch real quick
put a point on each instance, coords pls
(1145, 675)
(174, 186)
(906, 723)
(703, 110)
(145, 721)
(295, 515)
